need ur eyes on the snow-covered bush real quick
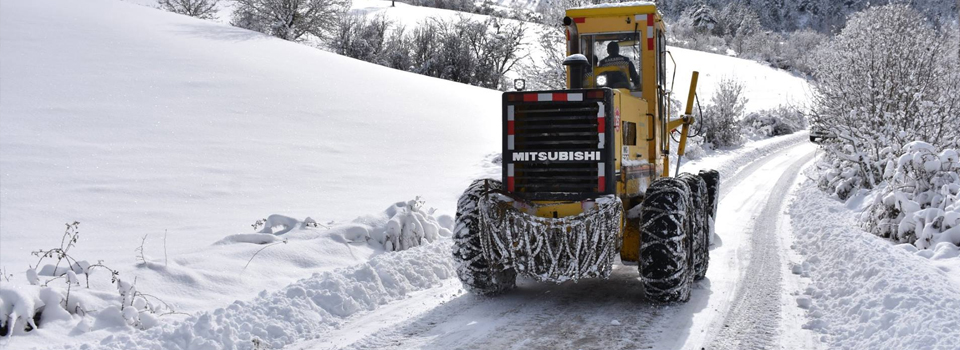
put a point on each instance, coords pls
(888, 79)
(783, 120)
(920, 201)
(202, 9)
(289, 19)
(721, 117)
(56, 293)
(402, 226)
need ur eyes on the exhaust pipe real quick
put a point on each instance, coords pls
(575, 61)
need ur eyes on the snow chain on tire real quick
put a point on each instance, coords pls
(712, 178)
(665, 261)
(698, 224)
(552, 249)
(477, 274)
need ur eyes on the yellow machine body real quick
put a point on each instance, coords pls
(641, 113)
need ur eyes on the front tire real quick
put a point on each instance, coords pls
(478, 275)
(665, 252)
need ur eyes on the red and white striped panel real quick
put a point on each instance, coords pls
(510, 131)
(650, 31)
(601, 125)
(510, 185)
(553, 96)
(601, 177)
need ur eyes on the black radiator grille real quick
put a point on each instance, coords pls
(555, 177)
(557, 126)
(553, 150)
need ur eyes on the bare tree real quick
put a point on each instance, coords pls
(202, 9)
(496, 45)
(290, 19)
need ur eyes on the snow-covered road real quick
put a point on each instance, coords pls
(737, 306)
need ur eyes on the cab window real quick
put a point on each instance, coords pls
(595, 48)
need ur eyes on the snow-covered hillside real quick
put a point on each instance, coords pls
(135, 122)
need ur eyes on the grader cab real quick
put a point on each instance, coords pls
(586, 173)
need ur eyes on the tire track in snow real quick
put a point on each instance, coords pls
(754, 317)
(534, 316)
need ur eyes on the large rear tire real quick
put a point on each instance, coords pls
(665, 253)
(477, 274)
(698, 224)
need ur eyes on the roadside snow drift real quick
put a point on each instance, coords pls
(303, 310)
(865, 292)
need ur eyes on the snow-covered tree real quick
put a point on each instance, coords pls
(546, 71)
(397, 52)
(464, 50)
(202, 9)
(498, 50)
(888, 79)
(290, 19)
(799, 49)
(721, 119)
(361, 37)
(424, 41)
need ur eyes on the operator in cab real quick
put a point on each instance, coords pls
(615, 59)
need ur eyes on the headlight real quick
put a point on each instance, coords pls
(602, 80)
(519, 84)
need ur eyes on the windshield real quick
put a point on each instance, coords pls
(595, 46)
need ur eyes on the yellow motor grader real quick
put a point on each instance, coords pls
(586, 172)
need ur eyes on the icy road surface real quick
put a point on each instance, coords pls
(738, 305)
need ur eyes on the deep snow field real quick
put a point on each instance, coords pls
(177, 135)
(137, 122)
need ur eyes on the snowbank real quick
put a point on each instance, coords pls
(866, 293)
(75, 309)
(303, 310)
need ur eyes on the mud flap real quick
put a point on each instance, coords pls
(548, 249)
